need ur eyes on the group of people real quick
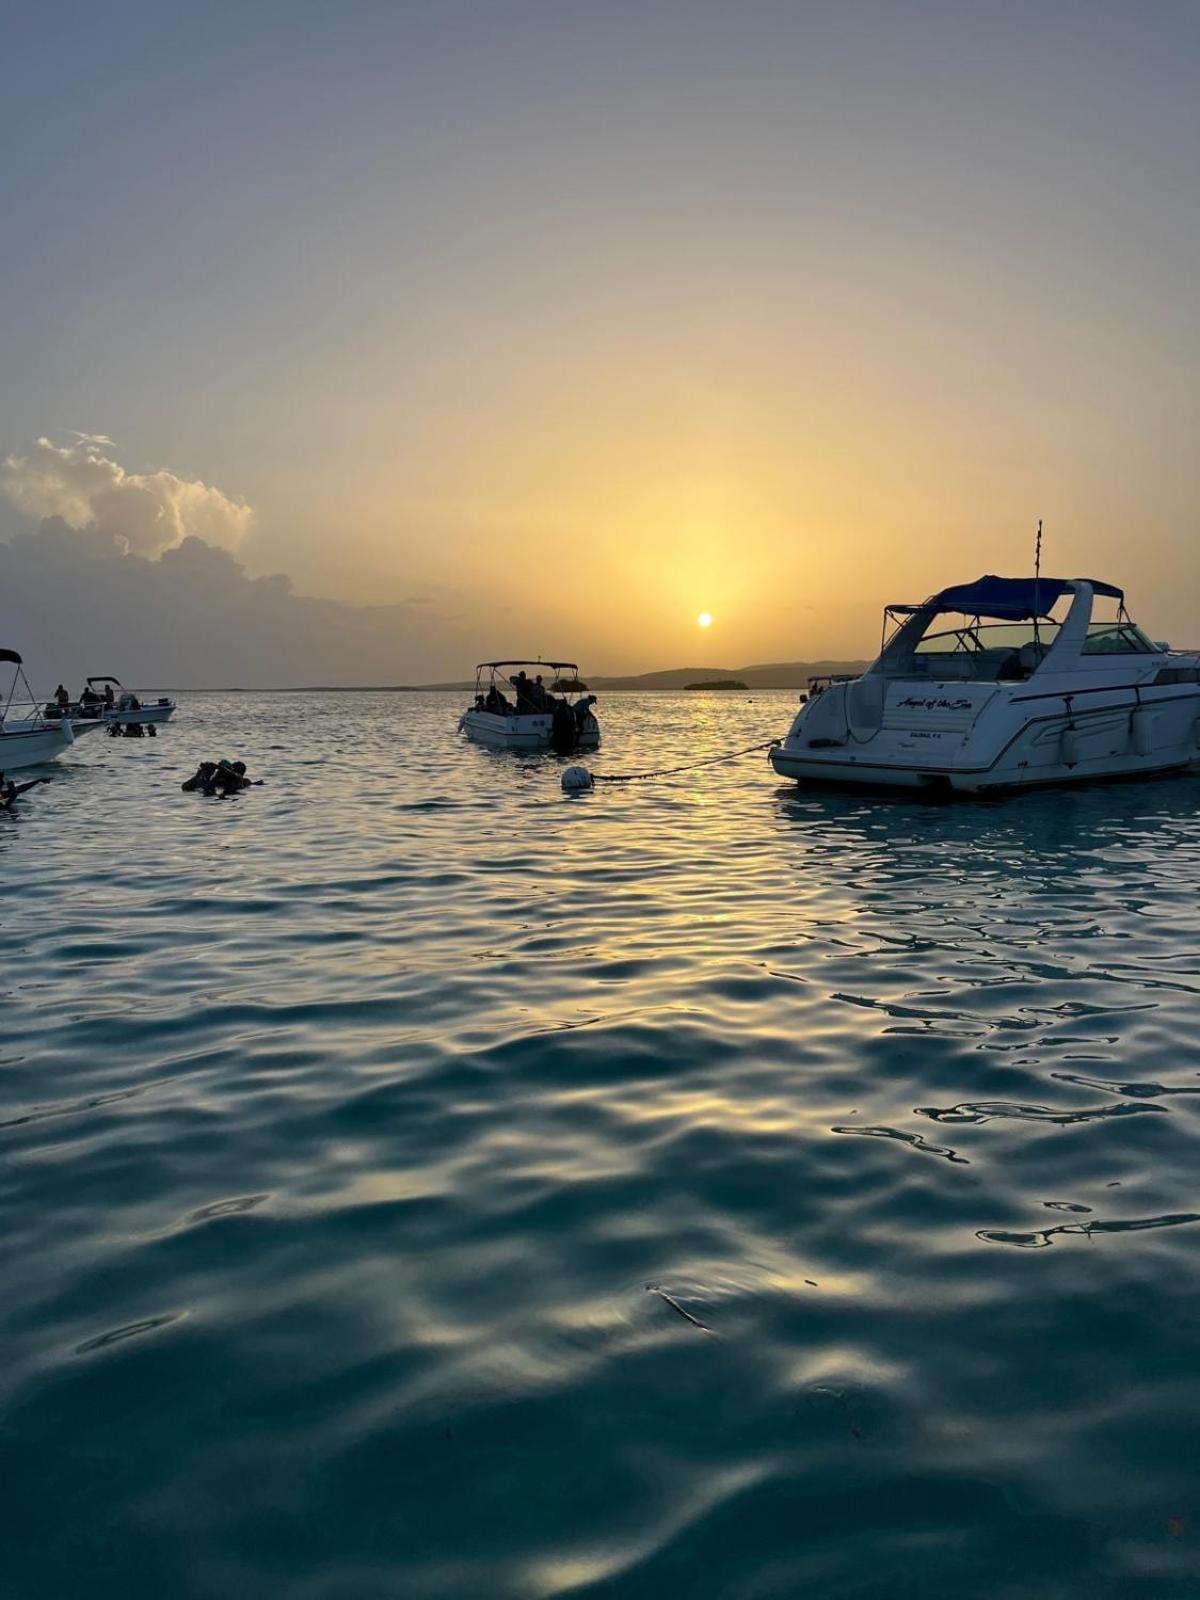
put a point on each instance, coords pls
(91, 702)
(221, 778)
(532, 696)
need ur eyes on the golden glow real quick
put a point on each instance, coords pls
(704, 620)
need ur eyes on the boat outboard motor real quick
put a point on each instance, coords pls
(564, 732)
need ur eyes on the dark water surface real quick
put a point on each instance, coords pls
(416, 1183)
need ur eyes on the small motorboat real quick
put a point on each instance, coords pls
(27, 737)
(513, 711)
(108, 698)
(981, 687)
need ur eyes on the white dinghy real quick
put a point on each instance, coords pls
(981, 688)
(108, 697)
(27, 738)
(513, 711)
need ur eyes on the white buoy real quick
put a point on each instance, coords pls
(577, 780)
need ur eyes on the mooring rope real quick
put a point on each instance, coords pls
(668, 772)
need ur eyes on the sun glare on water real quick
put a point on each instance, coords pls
(704, 620)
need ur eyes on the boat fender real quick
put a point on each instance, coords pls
(68, 730)
(577, 780)
(1141, 731)
(1068, 747)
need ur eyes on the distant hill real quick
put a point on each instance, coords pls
(770, 675)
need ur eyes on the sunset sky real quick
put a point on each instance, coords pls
(565, 322)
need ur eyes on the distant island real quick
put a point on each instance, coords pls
(767, 675)
(719, 683)
(568, 686)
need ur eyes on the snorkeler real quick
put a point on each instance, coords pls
(220, 778)
(200, 779)
(230, 776)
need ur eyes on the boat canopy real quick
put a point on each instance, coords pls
(558, 666)
(1011, 599)
(10, 655)
(117, 681)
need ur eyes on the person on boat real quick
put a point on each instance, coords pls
(88, 696)
(538, 696)
(524, 691)
(110, 699)
(583, 708)
(564, 730)
(61, 699)
(9, 791)
(200, 779)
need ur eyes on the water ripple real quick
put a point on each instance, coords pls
(417, 1183)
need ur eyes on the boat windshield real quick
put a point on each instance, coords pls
(970, 638)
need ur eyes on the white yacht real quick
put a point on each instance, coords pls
(27, 738)
(1000, 684)
(511, 711)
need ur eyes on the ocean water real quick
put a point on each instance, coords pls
(415, 1182)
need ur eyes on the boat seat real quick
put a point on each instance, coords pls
(1031, 655)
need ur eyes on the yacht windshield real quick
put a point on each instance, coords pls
(994, 651)
(973, 636)
(1116, 639)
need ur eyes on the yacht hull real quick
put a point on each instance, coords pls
(1012, 742)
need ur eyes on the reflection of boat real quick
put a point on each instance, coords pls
(505, 717)
(126, 708)
(31, 739)
(1019, 698)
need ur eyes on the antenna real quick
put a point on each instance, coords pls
(1037, 584)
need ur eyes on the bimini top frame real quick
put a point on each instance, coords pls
(559, 668)
(999, 599)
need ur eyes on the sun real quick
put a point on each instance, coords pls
(704, 620)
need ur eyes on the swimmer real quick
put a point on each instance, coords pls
(10, 791)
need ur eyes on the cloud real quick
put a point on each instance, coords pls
(142, 513)
(73, 603)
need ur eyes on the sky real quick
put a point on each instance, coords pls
(515, 327)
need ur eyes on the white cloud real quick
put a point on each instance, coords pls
(145, 512)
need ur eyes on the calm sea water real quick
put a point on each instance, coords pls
(417, 1183)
